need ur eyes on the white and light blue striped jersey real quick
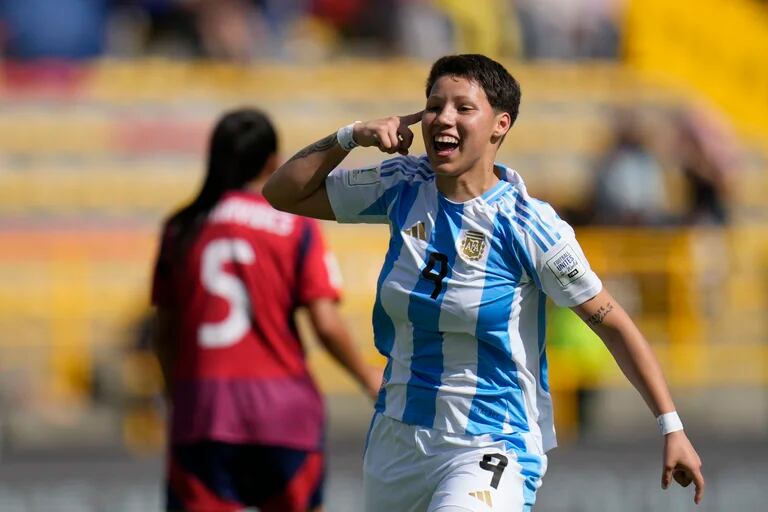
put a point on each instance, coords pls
(460, 301)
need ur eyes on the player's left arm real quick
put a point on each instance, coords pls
(612, 324)
(334, 335)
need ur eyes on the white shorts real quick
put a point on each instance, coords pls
(409, 468)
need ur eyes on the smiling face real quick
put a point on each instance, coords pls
(461, 129)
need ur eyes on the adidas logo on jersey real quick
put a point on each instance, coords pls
(417, 231)
(484, 496)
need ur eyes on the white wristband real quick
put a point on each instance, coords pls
(345, 137)
(669, 422)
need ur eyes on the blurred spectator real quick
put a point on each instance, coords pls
(568, 29)
(229, 29)
(242, 30)
(484, 26)
(630, 188)
(707, 155)
(236, 30)
(342, 13)
(46, 29)
(422, 31)
(166, 27)
(368, 27)
(221, 29)
(288, 30)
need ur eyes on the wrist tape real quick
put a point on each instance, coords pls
(669, 422)
(345, 137)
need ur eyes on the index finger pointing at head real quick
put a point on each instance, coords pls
(412, 118)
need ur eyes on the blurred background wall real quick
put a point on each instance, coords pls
(644, 123)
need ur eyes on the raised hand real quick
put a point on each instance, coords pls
(682, 463)
(390, 135)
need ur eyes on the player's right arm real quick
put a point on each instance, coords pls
(164, 343)
(298, 186)
(164, 336)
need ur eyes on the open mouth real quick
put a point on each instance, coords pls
(444, 145)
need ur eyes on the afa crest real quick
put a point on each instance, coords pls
(473, 245)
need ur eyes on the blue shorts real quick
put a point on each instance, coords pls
(212, 476)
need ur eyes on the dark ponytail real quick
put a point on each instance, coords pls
(241, 143)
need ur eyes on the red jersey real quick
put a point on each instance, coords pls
(240, 374)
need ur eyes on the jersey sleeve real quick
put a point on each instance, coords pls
(162, 277)
(319, 274)
(555, 258)
(366, 195)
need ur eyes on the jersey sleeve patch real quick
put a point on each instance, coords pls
(368, 176)
(566, 266)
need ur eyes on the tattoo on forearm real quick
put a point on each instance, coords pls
(321, 145)
(600, 315)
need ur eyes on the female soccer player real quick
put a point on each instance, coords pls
(464, 416)
(247, 421)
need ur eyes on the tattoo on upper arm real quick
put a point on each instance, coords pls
(598, 317)
(321, 145)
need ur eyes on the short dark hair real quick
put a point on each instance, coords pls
(501, 88)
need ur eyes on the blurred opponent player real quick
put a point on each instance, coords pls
(464, 416)
(247, 421)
